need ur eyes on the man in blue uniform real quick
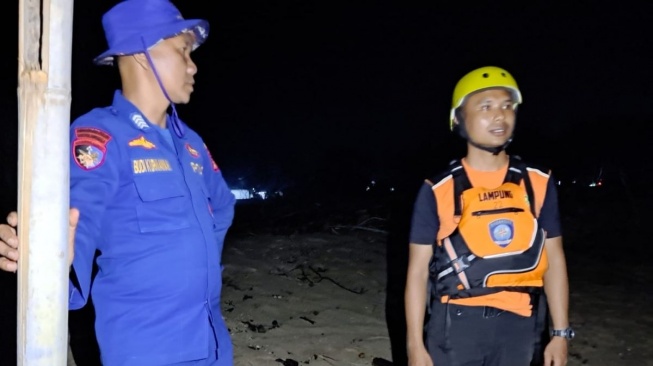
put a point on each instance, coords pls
(152, 201)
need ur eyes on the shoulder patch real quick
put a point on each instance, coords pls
(213, 164)
(89, 147)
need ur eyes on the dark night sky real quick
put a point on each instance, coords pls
(335, 88)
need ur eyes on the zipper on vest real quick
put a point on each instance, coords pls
(497, 211)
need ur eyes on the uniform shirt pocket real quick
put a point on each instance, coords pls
(163, 204)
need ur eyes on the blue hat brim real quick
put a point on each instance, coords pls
(142, 42)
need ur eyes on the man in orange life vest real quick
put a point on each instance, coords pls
(486, 245)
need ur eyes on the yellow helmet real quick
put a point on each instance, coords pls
(479, 79)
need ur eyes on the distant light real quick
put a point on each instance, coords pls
(559, 183)
(596, 184)
(262, 194)
(392, 189)
(242, 194)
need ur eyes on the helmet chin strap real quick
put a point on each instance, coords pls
(462, 132)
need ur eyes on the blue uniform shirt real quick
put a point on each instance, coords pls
(157, 209)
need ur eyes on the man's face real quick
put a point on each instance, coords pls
(489, 116)
(172, 60)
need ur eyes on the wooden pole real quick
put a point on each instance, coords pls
(44, 62)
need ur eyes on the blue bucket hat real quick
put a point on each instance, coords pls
(133, 26)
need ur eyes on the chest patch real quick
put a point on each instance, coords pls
(142, 142)
(192, 151)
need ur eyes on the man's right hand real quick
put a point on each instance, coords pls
(9, 244)
(9, 240)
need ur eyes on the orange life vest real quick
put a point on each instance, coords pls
(497, 244)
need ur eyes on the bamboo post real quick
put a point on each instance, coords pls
(44, 62)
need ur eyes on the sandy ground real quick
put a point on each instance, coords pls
(320, 299)
(317, 299)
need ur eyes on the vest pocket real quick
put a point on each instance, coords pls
(497, 211)
(163, 204)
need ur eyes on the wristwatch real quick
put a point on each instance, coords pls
(566, 333)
